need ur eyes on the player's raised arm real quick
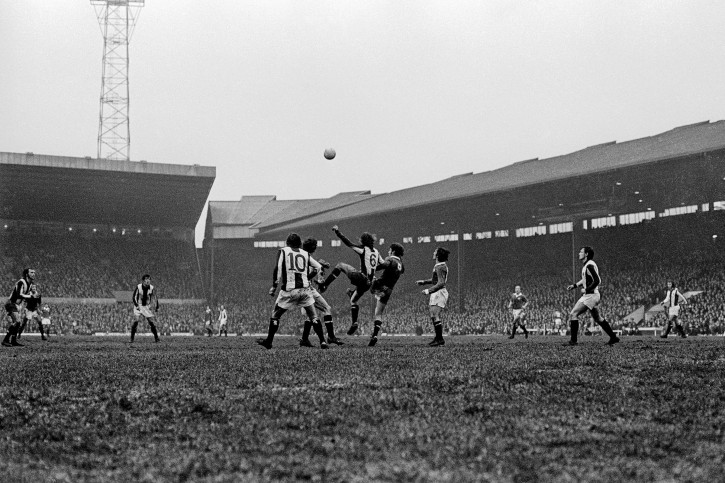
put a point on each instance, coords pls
(424, 282)
(344, 239)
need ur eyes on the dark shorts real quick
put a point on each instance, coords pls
(10, 307)
(381, 292)
(360, 281)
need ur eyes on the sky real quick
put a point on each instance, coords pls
(406, 92)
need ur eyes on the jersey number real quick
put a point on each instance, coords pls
(297, 261)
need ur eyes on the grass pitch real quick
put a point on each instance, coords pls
(478, 409)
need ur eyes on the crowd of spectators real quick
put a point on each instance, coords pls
(85, 267)
(634, 277)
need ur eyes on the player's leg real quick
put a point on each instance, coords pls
(522, 324)
(134, 327)
(11, 325)
(362, 285)
(678, 327)
(435, 316)
(316, 325)
(597, 316)
(514, 325)
(325, 311)
(40, 329)
(339, 268)
(668, 327)
(273, 326)
(579, 308)
(21, 327)
(152, 325)
(378, 322)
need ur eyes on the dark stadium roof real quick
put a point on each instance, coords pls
(678, 142)
(46, 188)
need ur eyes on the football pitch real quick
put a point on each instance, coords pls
(478, 409)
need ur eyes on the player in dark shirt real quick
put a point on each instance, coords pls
(321, 305)
(517, 304)
(382, 287)
(31, 310)
(21, 293)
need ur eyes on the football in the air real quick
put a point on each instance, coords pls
(330, 153)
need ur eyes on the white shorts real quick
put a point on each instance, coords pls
(30, 314)
(591, 300)
(143, 310)
(45, 321)
(297, 297)
(222, 323)
(674, 311)
(439, 298)
(518, 313)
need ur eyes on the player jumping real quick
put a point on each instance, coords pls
(361, 279)
(382, 288)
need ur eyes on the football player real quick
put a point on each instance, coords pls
(360, 279)
(438, 293)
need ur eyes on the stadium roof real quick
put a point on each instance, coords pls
(676, 143)
(267, 210)
(86, 190)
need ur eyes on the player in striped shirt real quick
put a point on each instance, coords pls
(590, 299)
(14, 305)
(361, 279)
(31, 310)
(145, 306)
(291, 275)
(223, 321)
(672, 302)
(382, 287)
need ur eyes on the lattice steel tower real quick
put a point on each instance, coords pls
(117, 19)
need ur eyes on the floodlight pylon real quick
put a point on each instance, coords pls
(117, 20)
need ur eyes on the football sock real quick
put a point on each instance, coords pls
(331, 278)
(153, 330)
(329, 326)
(354, 311)
(607, 329)
(306, 330)
(7, 337)
(523, 327)
(439, 330)
(376, 329)
(134, 326)
(318, 330)
(40, 328)
(273, 326)
(513, 330)
(574, 325)
(22, 328)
